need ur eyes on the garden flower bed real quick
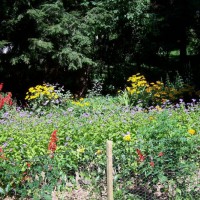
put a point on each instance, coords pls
(156, 151)
(56, 147)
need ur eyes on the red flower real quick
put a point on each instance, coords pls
(52, 144)
(7, 100)
(141, 156)
(2, 154)
(9, 94)
(152, 164)
(28, 165)
(160, 154)
(1, 103)
(1, 86)
(1, 150)
(10, 102)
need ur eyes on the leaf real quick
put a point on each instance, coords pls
(162, 178)
(2, 191)
(178, 191)
(7, 189)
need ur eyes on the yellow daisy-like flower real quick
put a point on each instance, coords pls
(151, 117)
(87, 104)
(158, 108)
(127, 138)
(98, 152)
(81, 150)
(191, 131)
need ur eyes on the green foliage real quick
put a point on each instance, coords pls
(158, 147)
(146, 94)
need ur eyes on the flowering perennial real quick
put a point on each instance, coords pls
(1, 86)
(152, 164)
(127, 138)
(154, 93)
(81, 150)
(52, 144)
(2, 156)
(191, 131)
(98, 152)
(38, 91)
(5, 99)
(160, 154)
(81, 103)
(141, 156)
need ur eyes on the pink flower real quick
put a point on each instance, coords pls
(160, 154)
(152, 164)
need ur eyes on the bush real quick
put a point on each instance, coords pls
(42, 97)
(147, 94)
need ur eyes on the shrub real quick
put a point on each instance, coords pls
(140, 92)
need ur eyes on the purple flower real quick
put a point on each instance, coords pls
(85, 114)
(193, 100)
(70, 109)
(50, 115)
(67, 138)
(24, 145)
(5, 144)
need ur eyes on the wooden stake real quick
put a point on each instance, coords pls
(109, 170)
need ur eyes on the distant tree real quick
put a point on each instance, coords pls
(43, 36)
(75, 41)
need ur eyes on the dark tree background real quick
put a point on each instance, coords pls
(74, 42)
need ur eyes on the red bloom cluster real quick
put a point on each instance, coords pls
(152, 164)
(141, 156)
(1, 150)
(52, 143)
(2, 154)
(5, 100)
(160, 154)
(1, 86)
(28, 165)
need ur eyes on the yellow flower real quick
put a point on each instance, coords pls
(156, 95)
(148, 90)
(87, 104)
(81, 150)
(98, 152)
(127, 138)
(191, 131)
(159, 82)
(158, 108)
(151, 117)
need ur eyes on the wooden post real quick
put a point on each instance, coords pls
(109, 170)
